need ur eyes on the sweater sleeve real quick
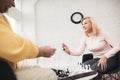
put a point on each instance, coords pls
(81, 49)
(115, 45)
(15, 48)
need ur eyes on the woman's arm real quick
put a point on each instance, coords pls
(81, 49)
(115, 45)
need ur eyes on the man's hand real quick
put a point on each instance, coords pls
(46, 51)
(103, 62)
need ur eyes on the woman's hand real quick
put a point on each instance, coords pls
(65, 48)
(103, 62)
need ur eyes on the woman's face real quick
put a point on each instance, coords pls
(87, 26)
(5, 5)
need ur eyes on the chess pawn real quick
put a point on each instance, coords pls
(86, 68)
(81, 67)
(67, 72)
(89, 68)
(76, 68)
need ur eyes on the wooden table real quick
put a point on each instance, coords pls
(78, 76)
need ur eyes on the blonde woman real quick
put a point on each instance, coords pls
(100, 44)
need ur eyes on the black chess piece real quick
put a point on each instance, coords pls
(61, 73)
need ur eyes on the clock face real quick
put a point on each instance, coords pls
(76, 17)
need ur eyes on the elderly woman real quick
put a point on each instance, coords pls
(100, 44)
(14, 48)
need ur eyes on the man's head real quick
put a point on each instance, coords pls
(5, 5)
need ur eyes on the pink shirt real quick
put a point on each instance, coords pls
(98, 45)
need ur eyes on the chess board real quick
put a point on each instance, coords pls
(78, 76)
(75, 71)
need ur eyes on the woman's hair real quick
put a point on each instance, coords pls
(94, 26)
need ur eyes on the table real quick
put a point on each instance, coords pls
(80, 76)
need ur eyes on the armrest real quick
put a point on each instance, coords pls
(87, 57)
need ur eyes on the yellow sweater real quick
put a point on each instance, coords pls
(14, 48)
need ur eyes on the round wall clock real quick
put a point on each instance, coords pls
(76, 17)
